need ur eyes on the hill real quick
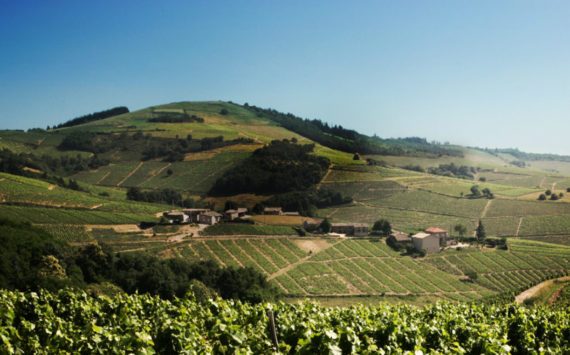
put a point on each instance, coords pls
(74, 181)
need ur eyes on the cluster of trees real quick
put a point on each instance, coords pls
(347, 140)
(20, 164)
(172, 149)
(31, 259)
(278, 167)
(305, 202)
(174, 117)
(94, 117)
(477, 193)
(168, 196)
(553, 196)
(452, 170)
(382, 227)
(527, 156)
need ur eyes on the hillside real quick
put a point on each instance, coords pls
(74, 181)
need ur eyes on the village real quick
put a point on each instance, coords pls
(431, 241)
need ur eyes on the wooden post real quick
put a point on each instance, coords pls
(273, 330)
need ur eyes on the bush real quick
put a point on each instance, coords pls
(542, 197)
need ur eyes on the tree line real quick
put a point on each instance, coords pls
(115, 111)
(347, 140)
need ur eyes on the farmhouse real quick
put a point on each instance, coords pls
(230, 215)
(426, 241)
(193, 213)
(438, 232)
(401, 237)
(355, 229)
(209, 217)
(273, 210)
(291, 214)
(175, 217)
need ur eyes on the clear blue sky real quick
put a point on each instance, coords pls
(487, 73)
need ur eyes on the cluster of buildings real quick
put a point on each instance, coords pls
(193, 215)
(207, 216)
(353, 229)
(430, 239)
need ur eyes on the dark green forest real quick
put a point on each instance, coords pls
(276, 168)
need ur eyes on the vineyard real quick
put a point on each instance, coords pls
(77, 323)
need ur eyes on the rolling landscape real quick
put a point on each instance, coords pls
(284, 177)
(77, 183)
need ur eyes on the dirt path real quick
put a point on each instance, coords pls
(155, 173)
(533, 290)
(325, 177)
(555, 295)
(553, 186)
(130, 174)
(519, 227)
(103, 178)
(96, 206)
(542, 181)
(484, 213)
(52, 187)
(308, 245)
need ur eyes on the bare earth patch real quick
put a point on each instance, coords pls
(535, 289)
(52, 187)
(119, 228)
(314, 245)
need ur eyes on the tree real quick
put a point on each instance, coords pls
(548, 192)
(223, 111)
(461, 229)
(258, 208)
(382, 226)
(356, 156)
(325, 226)
(169, 172)
(475, 191)
(554, 197)
(568, 189)
(230, 205)
(480, 232)
(482, 179)
(542, 197)
(487, 192)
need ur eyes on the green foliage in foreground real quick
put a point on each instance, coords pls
(74, 322)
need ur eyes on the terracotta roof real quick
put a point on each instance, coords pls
(435, 230)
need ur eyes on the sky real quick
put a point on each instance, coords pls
(477, 73)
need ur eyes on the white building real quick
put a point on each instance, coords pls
(426, 241)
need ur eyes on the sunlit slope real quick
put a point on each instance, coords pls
(237, 122)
